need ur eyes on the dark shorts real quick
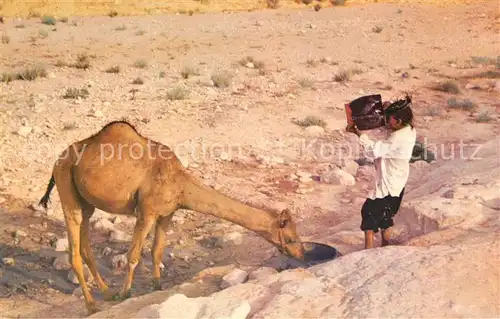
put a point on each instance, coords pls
(378, 213)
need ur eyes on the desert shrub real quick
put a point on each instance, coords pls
(141, 64)
(311, 120)
(463, 104)
(221, 80)
(178, 93)
(448, 87)
(186, 72)
(113, 69)
(5, 39)
(138, 81)
(74, 93)
(273, 4)
(484, 117)
(49, 20)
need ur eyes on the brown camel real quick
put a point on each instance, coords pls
(121, 172)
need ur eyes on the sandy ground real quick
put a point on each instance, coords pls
(296, 55)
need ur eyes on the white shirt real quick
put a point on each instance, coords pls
(392, 161)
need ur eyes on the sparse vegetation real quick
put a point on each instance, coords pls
(82, 62)
(311, 62)
(484, 117)
(121, 28)
(138, 81)
(140, 32)
(74, 93)
(311, 120)
(345, 75)
(113, 69)
(448, 87)
(141, 64)
(28, 74)
(162, 74)
(377, 29)
(5, 39)
(255, 63)
(463, 104)
(306, 82)
(186, 72)
(338, 2)
(49, 20)
(221, 80)
(178, 93)
(64, 19)
(432, 111)
(113, 13)
(273, 4)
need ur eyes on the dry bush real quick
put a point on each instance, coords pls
(448, 86)
(178, 93)
(5, 39)
(377, 29)
(432, 111)
(311, 62)
(114, 69)
(306, 82)
(28, 74)
(345, 75)
(113, 13)
(186, 72)
(463, 104)
(338, 2)
(82, 62)
(311, 120)
(49, 20)
(121, 28)
(273, 4)
(73, 93)
(138, 81)
(141, 64)
(258, 64)
(221, 80)
(43, 33)
(484, 117)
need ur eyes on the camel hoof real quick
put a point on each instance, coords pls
(92, 309)
(156, 285)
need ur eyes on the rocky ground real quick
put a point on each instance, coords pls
(262, 93)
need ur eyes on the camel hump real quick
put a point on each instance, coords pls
(119, 125)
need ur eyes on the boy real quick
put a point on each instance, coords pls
(392, 164)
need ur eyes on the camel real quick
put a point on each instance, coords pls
(119, 171)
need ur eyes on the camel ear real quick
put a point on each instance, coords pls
(284, 218)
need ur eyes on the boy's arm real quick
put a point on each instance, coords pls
(375, 149)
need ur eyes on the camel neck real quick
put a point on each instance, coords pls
(204, 199)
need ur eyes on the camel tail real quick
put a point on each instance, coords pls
(46, 197)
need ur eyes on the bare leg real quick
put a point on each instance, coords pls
(157, 252)
(87, 254)
(141, 230)
(386, 236)
(368, 239)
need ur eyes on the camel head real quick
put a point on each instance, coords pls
(288, 242)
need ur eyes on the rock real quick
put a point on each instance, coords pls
(250, 65)
(262, 272)
(9, 261)
(62, 262)
(178, 219)
(497, 86)
(119, 261)
(119, 236)
(235, 277)
(86, 274)
(472, 86)
(19, 233)
(62, 244)
(234, 237)
(350, 167)
(104, 225)
(24, 131)
(338, 177)
(314, 131)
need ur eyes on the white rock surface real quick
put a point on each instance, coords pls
(235, 277)
(338, 177)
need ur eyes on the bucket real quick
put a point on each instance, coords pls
(366, 112)
(314, 254)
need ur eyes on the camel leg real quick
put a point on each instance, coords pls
(141, 230)
(157, 251)
(87, 254)
(73, 210)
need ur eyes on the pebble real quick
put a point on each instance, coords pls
(86, 274)
(62, 244)
(24, 131)
(62, 262)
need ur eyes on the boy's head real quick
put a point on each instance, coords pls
(399, 114)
